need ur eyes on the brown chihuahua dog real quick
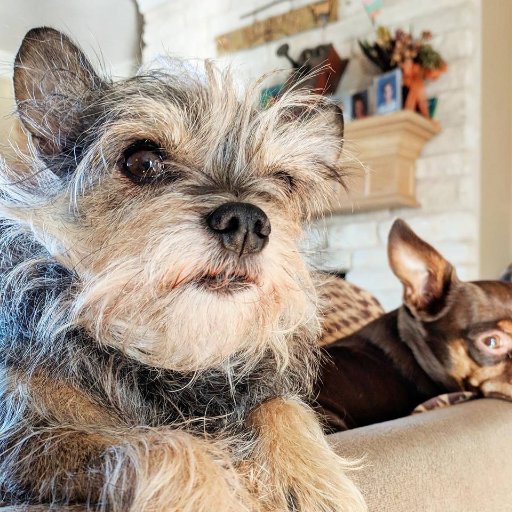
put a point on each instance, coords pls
(448, 336)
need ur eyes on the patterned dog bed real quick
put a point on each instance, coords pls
(347, 308)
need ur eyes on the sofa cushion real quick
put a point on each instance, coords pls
(454, 459)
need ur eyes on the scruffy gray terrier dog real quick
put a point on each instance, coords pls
(158, 323)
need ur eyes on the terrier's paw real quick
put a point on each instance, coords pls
(293, 467)
(320, 484)
(175, 471)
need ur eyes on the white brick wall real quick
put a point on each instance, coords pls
(448, 170)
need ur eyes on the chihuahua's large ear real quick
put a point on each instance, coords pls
(52, 81)
(424, 273)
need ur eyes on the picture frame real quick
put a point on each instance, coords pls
(344, 102)
(360, 105)
(346, 105)
(432, 106)
(269, 95)
(388, 92)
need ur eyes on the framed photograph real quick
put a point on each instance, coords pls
(268, 95)
(345, 103)
(359, 105)
(432, 106)
(388, 88)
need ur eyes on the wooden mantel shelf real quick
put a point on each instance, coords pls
(388, 146)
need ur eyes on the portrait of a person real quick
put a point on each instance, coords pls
(360, 105)
(389, 93)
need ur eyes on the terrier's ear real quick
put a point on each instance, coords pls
(335, 123)
(327, 125)
(52, 80)
(424, 273)
(320, 122)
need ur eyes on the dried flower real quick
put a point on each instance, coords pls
(383, 37)
(388, 52)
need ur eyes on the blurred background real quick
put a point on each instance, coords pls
(425, 87)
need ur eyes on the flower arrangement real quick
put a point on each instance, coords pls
(389, 52)
(416, 57)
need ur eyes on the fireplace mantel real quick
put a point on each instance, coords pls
(388, 146)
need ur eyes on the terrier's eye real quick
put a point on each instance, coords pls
(285, 178)
(143, 161)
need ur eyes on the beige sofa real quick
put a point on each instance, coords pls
(456, 459)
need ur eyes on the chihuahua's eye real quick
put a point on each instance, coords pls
(143, 161)
(492, 342)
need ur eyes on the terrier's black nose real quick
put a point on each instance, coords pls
(242, 227)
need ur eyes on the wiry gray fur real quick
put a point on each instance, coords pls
(124, 384)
